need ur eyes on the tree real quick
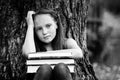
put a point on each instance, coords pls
(73, 14)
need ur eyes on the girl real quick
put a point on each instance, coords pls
(44, 33)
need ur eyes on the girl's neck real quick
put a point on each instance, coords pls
(48, 47)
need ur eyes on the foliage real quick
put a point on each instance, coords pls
(104, 72)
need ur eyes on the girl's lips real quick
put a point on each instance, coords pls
(46, 37)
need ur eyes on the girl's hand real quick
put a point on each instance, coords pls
(29, 18)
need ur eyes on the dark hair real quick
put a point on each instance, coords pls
(58, 41)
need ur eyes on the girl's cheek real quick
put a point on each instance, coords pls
(39, 33)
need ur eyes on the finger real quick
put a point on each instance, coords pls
(31, 12)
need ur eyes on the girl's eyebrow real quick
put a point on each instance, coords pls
(38, 27)
(48, 23)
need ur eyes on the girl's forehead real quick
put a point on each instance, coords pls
(42, 17)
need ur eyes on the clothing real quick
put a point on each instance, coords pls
(60, 72)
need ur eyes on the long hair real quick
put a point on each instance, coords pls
(58, 41)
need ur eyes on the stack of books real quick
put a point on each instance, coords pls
(35, 60)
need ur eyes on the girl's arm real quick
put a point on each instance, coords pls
(29, 45)
(72, 47)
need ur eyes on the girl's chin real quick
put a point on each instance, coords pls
(47, 41)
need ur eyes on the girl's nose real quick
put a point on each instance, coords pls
(45, 31)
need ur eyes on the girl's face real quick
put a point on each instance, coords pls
(45, 27)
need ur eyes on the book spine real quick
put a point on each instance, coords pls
(49, 61)
(49, 55)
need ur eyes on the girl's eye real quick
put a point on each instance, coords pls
(40, 28)
(48, 25)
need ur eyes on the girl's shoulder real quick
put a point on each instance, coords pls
(70, 43)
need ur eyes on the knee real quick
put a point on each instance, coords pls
(44, 72)
(61, 68)
(61, 72)
(44, 69)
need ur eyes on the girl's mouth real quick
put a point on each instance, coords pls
(46, 37)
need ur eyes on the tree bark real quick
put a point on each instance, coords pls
(73, 14)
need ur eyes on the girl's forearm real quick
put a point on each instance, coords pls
(76, 53)
(29, 44)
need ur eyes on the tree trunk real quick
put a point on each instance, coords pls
(73, 14)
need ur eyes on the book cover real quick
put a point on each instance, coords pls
(49, 61)
(49, 55)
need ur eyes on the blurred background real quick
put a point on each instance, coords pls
(103, 38)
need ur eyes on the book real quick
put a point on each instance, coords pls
(49, 55)
(35, 60)
(49, 61)
(33, 69)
